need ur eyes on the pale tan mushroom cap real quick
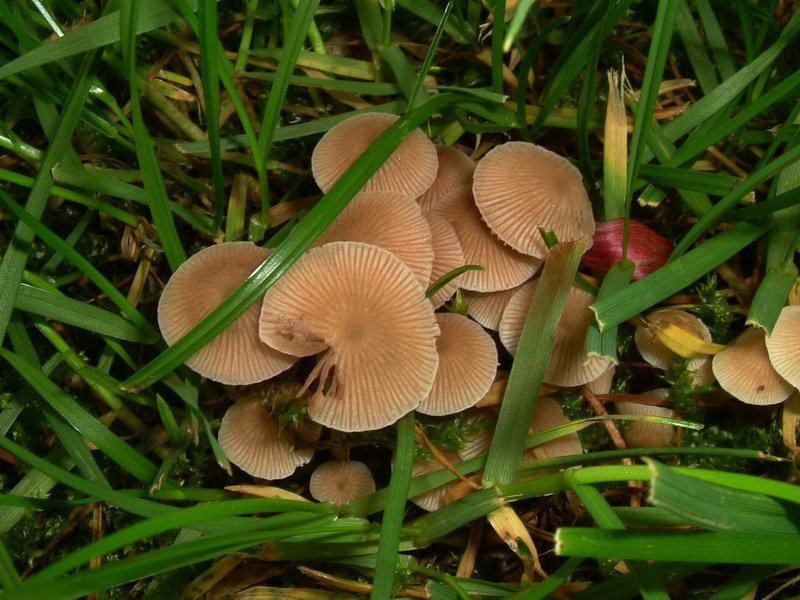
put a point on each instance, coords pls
(656, 353)
(455, 170)
(640, 434)
(487, 308)
(744, 371)
(467, 364)
(569, 363)
(390, 221)
(784, 345)
(252, 441)
(548, 414)
(340, 482)
(447, 255)
(436, 498)
(520, 187)
(236, 356)
(505, 268)
(410, 170)
(602, 385)
(362, 305)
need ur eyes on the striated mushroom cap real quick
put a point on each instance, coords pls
(783, 345)
(487, 308)
(447, 255)
(252, 440)
(236, 356)
(410, 170)
(504, 267)
(647, 435)
(436, 498)
(744, 370)
(655, 352)
(361, 306)
(569, 364)
(390, 221)
(455, 170)
(340, 482)
(520, 187)
(548, 414)
(467, 365)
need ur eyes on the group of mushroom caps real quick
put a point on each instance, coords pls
(356, 301)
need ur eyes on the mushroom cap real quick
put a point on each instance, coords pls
(340, 482)
(487, 308)
(363, 306)
(656, 353)
(410, 170)
(236, 356)
(744, 371)
(783, 345)
(548, 414)
(467, 364)
(520, 187)
(436, 498)
(647, 435)
(504, 267)
(390, 221)
(455, 169)
(569, 364)
(252, 440)
(447, 255)
(602, 385)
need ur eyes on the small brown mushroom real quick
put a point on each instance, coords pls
(252, 440)
(455, 170)
(410, 170)
(569, 364)
(236, 356)
(362, 308)
(340, 482)
(546, 415)
(447, 255)
(783, 345)
(654, 351)
(744, 371)
(487, 308)
(640, 434)
(520, 187)
(467, 364)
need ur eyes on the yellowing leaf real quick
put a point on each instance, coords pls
(682, 342)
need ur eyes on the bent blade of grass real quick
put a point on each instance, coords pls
(717, 507)
(604, 343)
(386, 565)
(684, 546)
(301, 237)
(771, 296)
(16, 254)
(433, 14)
(602, 513)
(674, 276)
(527, 372)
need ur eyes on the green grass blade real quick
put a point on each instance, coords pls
(153, 182)
(73, 312)
(742, 548)
(675, 275)
(16, 253)
(602, 513)
(723, 58)
(529, 366)
(543, 589)
(696, 49)
(720, 508)
(605, 343)
(771, 297)
(433, 14)
(288, 251)
(746, 578)
(386, 566)
(419, 84)
(209, 69)
(656, 60)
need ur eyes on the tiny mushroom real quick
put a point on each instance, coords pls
(653, 349)
(362, 308)
(436, 498)
(340, 482)
(641, 434)
(546, 415)
(487, 308)
(236, 356)
(467, 365)
(410, 170)
(390, 221)
(783, 345)
(447, 255)
(569, 364)
(504, 267)
(744, 371)
(520, 187)
(252, 441)
(455, 170)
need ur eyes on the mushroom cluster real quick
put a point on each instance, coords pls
(356, 300)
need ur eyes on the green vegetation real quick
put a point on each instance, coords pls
(135, 132)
